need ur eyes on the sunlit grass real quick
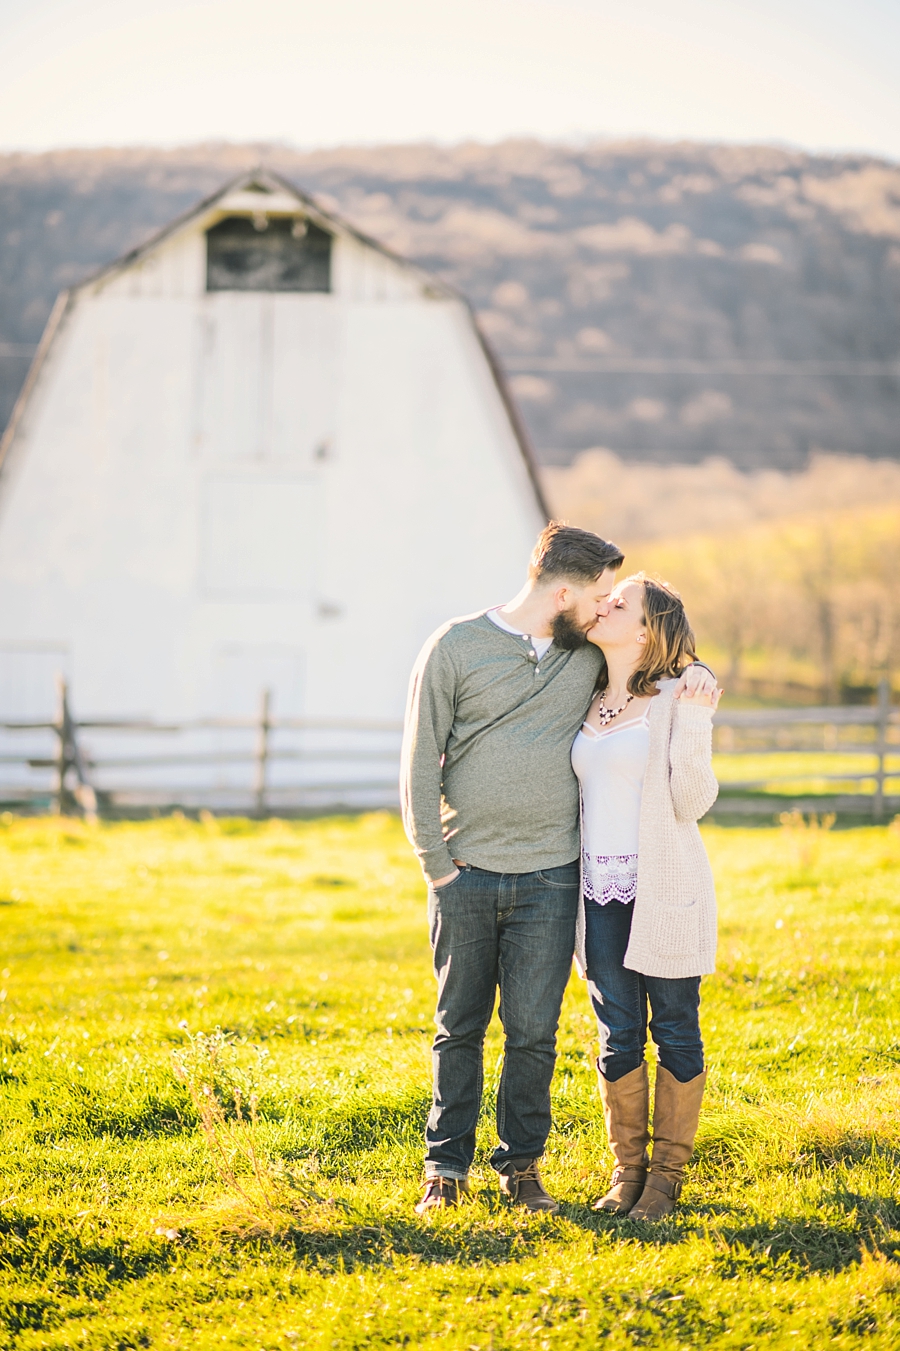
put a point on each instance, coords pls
(787, 772)
(306, 944)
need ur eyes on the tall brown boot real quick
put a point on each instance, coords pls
(676, 1112)
(626, 1110)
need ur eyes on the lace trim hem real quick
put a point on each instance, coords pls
(609, 877)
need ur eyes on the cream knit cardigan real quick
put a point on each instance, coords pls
(673, 929)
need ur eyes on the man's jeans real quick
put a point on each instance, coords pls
(620, 996)
(516, 930)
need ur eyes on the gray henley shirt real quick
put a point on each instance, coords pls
(486, 773)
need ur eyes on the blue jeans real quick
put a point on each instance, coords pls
(515, 930)
(620, 997)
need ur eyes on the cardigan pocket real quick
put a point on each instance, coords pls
(676, 930)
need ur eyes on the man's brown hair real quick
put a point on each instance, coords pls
(563, 552)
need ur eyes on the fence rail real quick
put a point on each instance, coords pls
(265, 762)
(250, 763)
(816, 731)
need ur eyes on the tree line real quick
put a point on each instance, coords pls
(812, 603)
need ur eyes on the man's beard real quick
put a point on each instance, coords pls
(566, 633)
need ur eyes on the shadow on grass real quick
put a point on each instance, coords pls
(796, 1249)
(82, 1111)
(486, 1231)
(795, 1245)
(88, 1264)
(800, 1246)
(80, 1260)
(29, 1313)
(366, 1120)
(63, 1107)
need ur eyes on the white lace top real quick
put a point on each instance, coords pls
(610, 767)
(673, 921)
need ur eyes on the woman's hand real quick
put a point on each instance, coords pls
(702, 697)
(695, 679)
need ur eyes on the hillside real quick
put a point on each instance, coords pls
(668, 302)
(635, 503)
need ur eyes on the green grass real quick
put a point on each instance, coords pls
(307, 944)
(790, 772)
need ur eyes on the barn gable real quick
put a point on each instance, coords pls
(223, 244)
(261, 234)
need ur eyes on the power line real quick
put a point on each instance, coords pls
(688, 366)
(647, 365)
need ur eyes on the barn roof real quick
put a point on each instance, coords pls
(283, 197)
(287, 197)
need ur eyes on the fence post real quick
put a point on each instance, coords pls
(884, 714)
(262, 750)
(61, 728)
(69, 757)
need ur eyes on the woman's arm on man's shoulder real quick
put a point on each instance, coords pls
(698, 678)
(693, 784)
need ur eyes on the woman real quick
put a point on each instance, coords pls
(647, 927)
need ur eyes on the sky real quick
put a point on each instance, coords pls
(821, 74)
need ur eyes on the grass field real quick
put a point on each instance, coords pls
(122, 1226)
(818, 773)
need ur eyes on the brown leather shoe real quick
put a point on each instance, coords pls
(524, 1187)
(440, 1192)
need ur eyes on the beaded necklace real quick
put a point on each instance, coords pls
(605, 715)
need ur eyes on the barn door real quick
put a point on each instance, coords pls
(306, 377)
(267, 375)
(233, 377)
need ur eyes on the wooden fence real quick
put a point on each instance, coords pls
(266, 764)
(871, 731)
(258, 764)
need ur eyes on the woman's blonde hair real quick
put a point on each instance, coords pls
(670, 645)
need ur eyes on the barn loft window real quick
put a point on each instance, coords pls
(260, 253)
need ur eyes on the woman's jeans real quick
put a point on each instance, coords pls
(515, 930)
(620, 996)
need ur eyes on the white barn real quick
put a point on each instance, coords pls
(260, 451)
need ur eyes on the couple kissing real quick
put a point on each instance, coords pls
(556, 760)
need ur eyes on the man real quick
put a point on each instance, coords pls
(490, 805)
